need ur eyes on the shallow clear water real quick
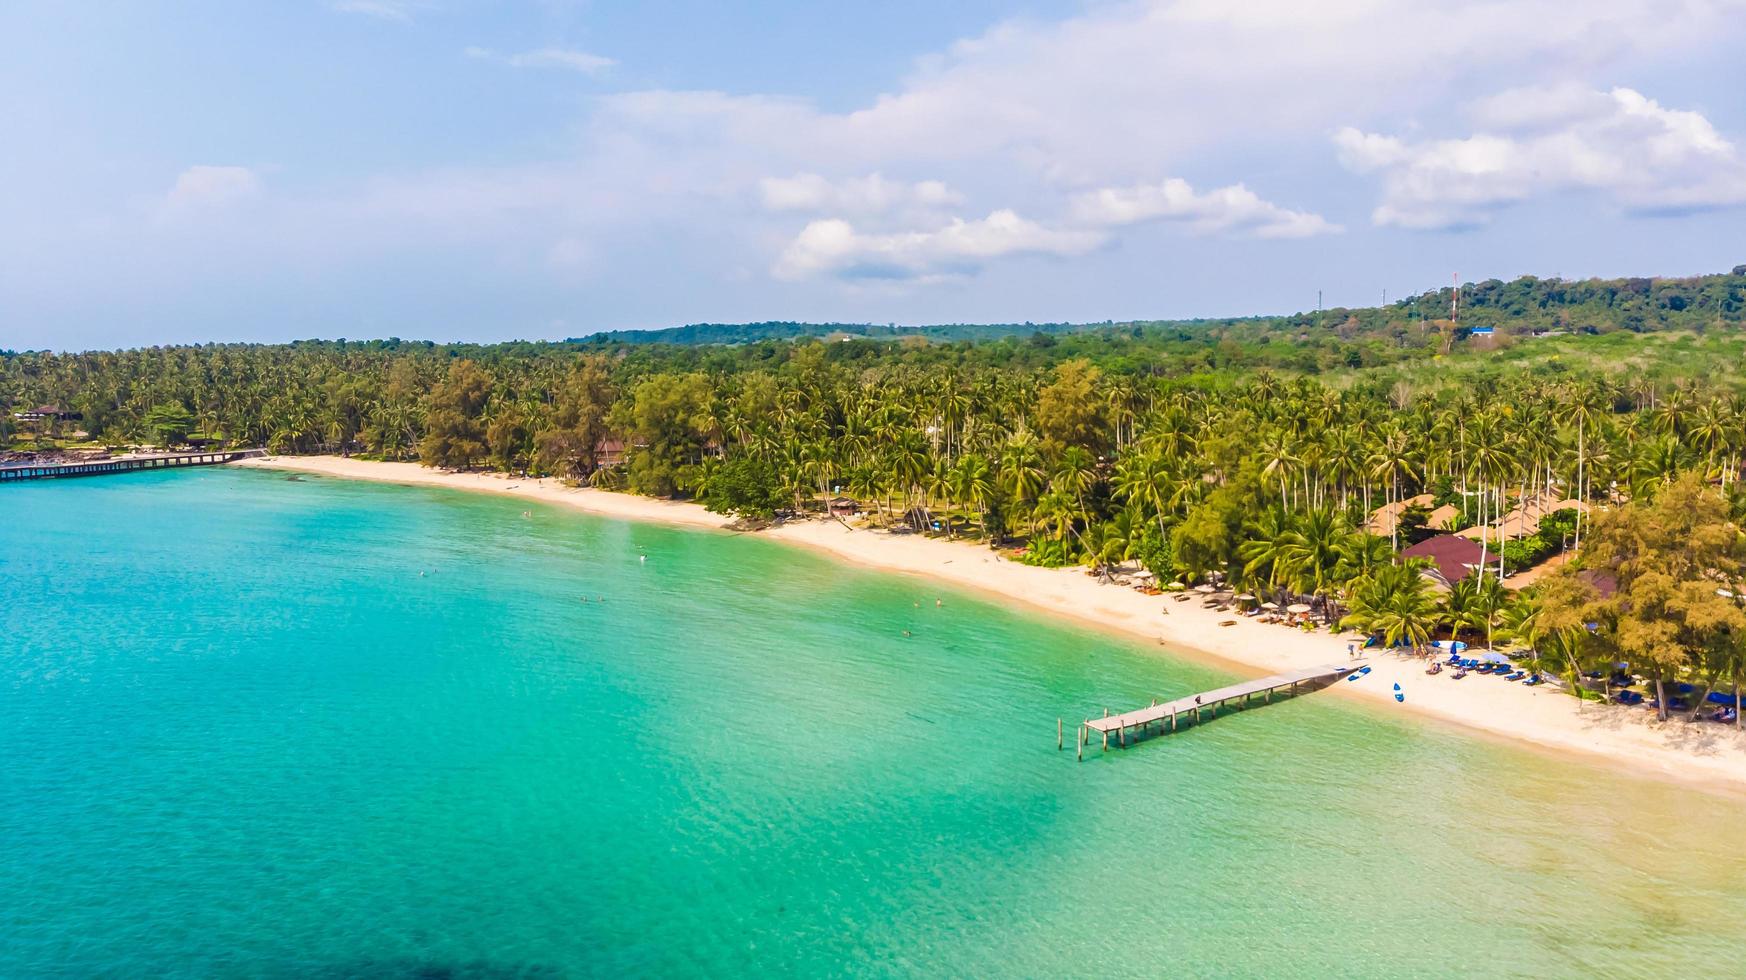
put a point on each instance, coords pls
(268, 726)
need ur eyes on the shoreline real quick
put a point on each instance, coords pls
(1705, 754)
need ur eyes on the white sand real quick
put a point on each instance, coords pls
(1707, 753)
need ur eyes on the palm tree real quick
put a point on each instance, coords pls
(1280, 460)
(1267, 552)
(1021, 470)
(1391, 461)
(1075, 473)
(972, 485)
(1396, 602)
(1059, 513)
(1313, 552)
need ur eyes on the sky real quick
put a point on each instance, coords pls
(203, 170)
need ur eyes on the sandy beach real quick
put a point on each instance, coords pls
(1706, 754)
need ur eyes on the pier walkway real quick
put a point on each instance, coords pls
(126, 464)
(1140, 721)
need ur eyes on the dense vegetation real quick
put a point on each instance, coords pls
(746, 333)
(1521, 306)
(1250, 451)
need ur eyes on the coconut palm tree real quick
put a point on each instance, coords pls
(1396, 602)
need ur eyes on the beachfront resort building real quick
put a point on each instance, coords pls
(47, 413)
(1453, 557)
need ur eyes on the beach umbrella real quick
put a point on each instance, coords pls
(1492, 657)
(1204, 587)
(1298, 607)
(1270, 605)
(1142, 575)
(1176, 585)
(1247, 597)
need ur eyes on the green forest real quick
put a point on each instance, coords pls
(1250, 451)
(1521, 306)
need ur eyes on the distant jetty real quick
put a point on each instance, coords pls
(124, 464)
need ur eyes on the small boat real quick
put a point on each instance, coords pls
(1360, 672)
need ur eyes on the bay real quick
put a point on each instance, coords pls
(269, 726)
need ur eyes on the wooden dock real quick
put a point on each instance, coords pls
(1168, 715)
(128, 464)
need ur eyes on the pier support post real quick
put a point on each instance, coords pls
(1058, 742)
(1106, 740)
(1079, 742)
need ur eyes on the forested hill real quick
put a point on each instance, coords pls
(1638, 304)
(1524, 305)
(746, 333)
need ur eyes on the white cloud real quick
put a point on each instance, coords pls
(1234, 209)
(1124, 87)
(396, 10)
(1620, 145)
(834, 247)
(563, 58)
(1038, 111)
(1368, 152)
(208, 186)
(872, 194)
(1069, 121)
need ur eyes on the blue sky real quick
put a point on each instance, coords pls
(447, 169)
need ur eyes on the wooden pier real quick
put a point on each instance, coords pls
(127, 464)
(1168, 715)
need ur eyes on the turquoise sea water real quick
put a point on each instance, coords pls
(263, 726)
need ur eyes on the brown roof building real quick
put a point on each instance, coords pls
(1454, 557)
(1383, 519)
(1605, 583)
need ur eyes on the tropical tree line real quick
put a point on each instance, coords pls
(1093, 451)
